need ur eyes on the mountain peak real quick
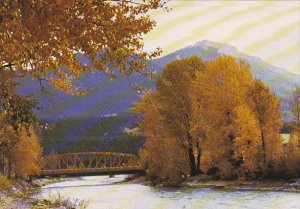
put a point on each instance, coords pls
(221, 48)
(206, 43)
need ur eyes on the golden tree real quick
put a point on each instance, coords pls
(26, 155)
(43, 38)
(268, 113)
(293, 153)
(290, 160)
(170, 109)
(222, 92)
(8, 138)
(163, 156)
(16, 113)
(294, 104)
(242, 119)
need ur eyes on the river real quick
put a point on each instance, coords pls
(102, 192)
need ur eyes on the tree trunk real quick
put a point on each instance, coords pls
(192, 162)
(298, 134)
(191, 157)
(198, 161)
(298, 141)
(2, 164)
(9, 169)
(263, 147)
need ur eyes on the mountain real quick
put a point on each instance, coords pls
(100, 117)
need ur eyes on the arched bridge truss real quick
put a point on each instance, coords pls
(90, 163)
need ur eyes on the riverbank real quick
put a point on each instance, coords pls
(20, 193)
(292, 185)
(23, 194)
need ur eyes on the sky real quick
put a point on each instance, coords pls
(266, 29)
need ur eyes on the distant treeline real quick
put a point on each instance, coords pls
(81, 134)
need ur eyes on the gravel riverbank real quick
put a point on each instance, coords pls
(22, 195)
(292, 185)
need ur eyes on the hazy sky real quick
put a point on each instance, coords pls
(267, 29)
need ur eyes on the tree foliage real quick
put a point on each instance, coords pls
(168, 118)
(232, 128)
(268, 113)
(291, 160)
(163, 155)
(243, 118)
(215, 113)
(294, 105)
(26, 156)
(16, 114)
(43, 37)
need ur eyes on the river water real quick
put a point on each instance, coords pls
(102, 192)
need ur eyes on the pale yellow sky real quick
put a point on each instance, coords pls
(267, 29)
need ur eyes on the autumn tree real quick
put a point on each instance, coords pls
(171, 110)
(46, 38)
(8, 138)
(26, 155)
(16, 113)
(290, 165)
(268, 113)
(294, 105)
(292, 154)
(163, 156)
(232, 130)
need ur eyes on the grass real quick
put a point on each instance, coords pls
(4, 183)
(2, 202)
(58, 202)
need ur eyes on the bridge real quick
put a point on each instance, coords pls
(90, 163)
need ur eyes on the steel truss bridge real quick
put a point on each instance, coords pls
(90, 163)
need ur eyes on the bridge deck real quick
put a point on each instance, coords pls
(90, 163)
(90, 171)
